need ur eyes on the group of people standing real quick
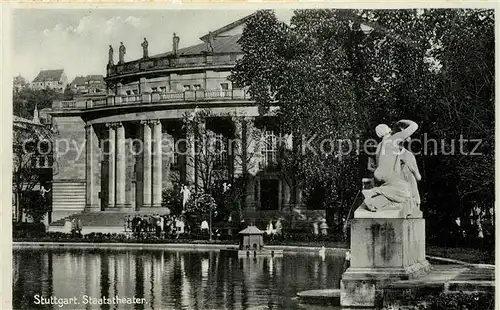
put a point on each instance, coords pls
(274, 230)
(74, 226)
(156, 223)
(320, 227)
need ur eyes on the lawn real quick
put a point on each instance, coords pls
(475, 256)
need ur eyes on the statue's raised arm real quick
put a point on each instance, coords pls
(402, 135)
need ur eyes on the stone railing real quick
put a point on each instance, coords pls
(97, 103)
(171, 61)
(131, 98)
(200, 95)
(68, 104)
(155, 97)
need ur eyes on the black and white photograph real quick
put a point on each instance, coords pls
(250, 157)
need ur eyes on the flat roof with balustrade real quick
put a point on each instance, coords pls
(193, 96)
(171, 63)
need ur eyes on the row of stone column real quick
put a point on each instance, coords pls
(151, 161)
(149, 185)
(116, 165)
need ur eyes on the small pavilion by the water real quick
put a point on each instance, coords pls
(251, 238)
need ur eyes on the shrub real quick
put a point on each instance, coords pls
(35, 205)
(28, 230)
(198, 208)
(458, 301)
(171, 198)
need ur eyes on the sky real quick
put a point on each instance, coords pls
(77, 40)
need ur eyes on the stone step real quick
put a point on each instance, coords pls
(60, 204)
(68, 185)
(329, 297)
(471, 286)
(441, 279)
(72, 197)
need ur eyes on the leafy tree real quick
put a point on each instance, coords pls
(36, 206)
(217, 153)
(199, 206)
(206, 158)
(68, 93)
(27, 142)
(171, 198)
(302, 69)
(337, 74)
(25, 100)
(229, 201)
(19, 83)
(442, 80)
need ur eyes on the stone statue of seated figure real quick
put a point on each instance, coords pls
(392, 194)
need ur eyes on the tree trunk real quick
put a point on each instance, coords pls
(18, 207)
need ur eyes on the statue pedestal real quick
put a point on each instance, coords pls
(383, 250)
(406, 212)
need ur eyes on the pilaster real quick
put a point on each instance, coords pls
(120, 165)
(146, 164)
(157, 164)
(111, 164)
(92, 166)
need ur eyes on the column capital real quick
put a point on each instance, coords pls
(154, 122)
(237, 118)
(150, 122)
(249, 118)
(114, 125)
(88, 125)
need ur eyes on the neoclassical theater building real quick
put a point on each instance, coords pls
(147, 100)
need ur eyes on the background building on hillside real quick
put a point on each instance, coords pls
(53, 79)
(88, 84)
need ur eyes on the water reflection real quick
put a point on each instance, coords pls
(169, 279)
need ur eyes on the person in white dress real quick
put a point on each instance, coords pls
(186, 193)
(270, 229)
(204, 226)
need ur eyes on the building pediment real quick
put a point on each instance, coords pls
(232, 29)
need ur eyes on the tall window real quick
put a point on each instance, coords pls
(220, 151)
(175, 154)
(270, 148)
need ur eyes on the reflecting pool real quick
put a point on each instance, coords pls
(166, 279)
